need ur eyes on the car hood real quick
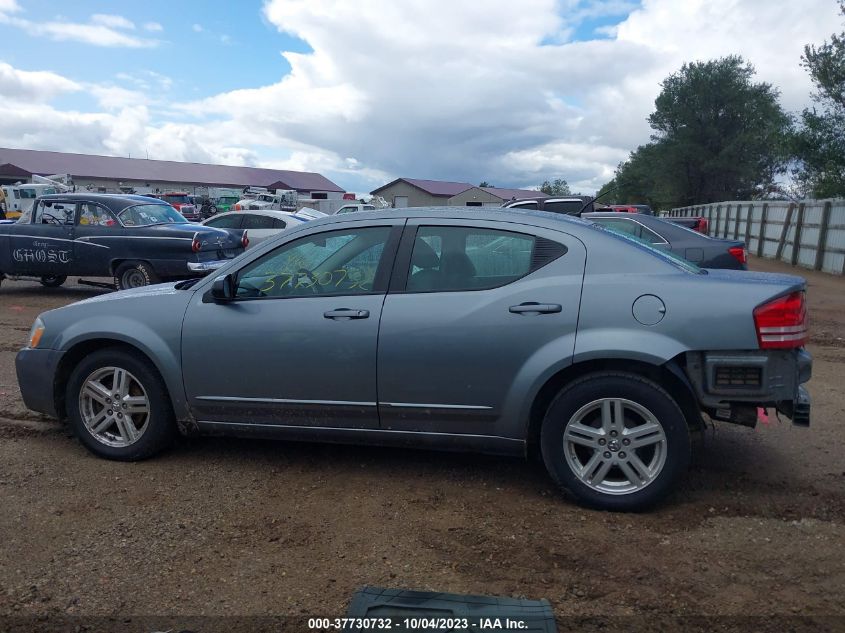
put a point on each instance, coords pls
(134, 293)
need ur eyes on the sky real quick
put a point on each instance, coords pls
(512, 93)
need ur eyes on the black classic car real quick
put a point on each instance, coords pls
(135, 239)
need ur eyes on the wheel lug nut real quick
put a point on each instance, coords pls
(607, 454)
(622, 454)
(613, 434)
(120, 415)
(126, 406)
(602, 442)
(108, 400)
(109, 412)
(626, 442)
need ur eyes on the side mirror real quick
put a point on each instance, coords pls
(223, 288)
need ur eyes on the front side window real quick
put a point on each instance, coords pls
(54, 212)
(331, 263)
(149, 214)
(94, 215)
(449, 258)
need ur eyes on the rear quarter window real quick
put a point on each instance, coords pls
(666, 256)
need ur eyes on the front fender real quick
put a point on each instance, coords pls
(162, 351)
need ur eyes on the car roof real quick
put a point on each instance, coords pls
(555, 221)
(273, 213)
(111, 200)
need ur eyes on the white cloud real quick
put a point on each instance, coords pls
(101, 30)
(29, 86)
(112, 21)
(9, 6)
(153, 26)
(443, 89)
(197, 28)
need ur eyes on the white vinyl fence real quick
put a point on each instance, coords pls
(809, 233)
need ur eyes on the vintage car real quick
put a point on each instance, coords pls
(135, 239)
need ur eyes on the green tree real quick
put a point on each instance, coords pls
(718, 135)
(820, 141)
(557, 187)
(484, 183)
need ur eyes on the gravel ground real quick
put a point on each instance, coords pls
(224, 527)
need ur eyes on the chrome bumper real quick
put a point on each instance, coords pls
(207, 267)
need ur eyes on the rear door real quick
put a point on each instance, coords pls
(475, 308)
(97, 231)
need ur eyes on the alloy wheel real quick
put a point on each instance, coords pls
(615, 446)
(114, 406)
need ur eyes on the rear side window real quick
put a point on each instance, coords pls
(226, 221)
(667, 256)
(279, 224)
(632, 228)
(450, 258)
(563, 206)
(524, 205)
(252, 221)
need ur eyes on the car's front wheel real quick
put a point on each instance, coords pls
(616, 441)
(134, 275)
(53, 281)
(119, 407)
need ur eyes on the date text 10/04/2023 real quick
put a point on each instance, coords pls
(421, 623)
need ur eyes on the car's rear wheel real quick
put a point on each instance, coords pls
(119, 407)
(53, 281)
(134, 275)
(615, 441)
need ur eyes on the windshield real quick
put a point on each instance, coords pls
(227, 200)
(147, 214)
(177, 198)
(667, 256)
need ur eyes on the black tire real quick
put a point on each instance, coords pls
(645, 394)
(159, 426)
(134, 275)
(53, 281)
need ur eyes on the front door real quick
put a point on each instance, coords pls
(44, 245)
(480, 309)
(297, 347)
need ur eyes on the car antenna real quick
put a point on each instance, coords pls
(601, 195)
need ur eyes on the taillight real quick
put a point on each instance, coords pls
(245, 240)
(237, 207)
(739, 253)
(196, 244)
(703, 226)
(782, 323)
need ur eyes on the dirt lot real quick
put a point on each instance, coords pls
(231, 527)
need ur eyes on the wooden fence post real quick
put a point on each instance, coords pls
(796, 242)
(736, 220)
(821, 247)
(749, 215)
(761, 240)
(787, 221)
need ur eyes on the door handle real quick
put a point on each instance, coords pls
(532, 307)
(343, 314)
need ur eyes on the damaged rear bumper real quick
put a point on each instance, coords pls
(731, 385)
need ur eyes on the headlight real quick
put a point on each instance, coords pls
(35, 333)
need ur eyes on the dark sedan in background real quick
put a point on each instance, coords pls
(136, 239)
(704, 251)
